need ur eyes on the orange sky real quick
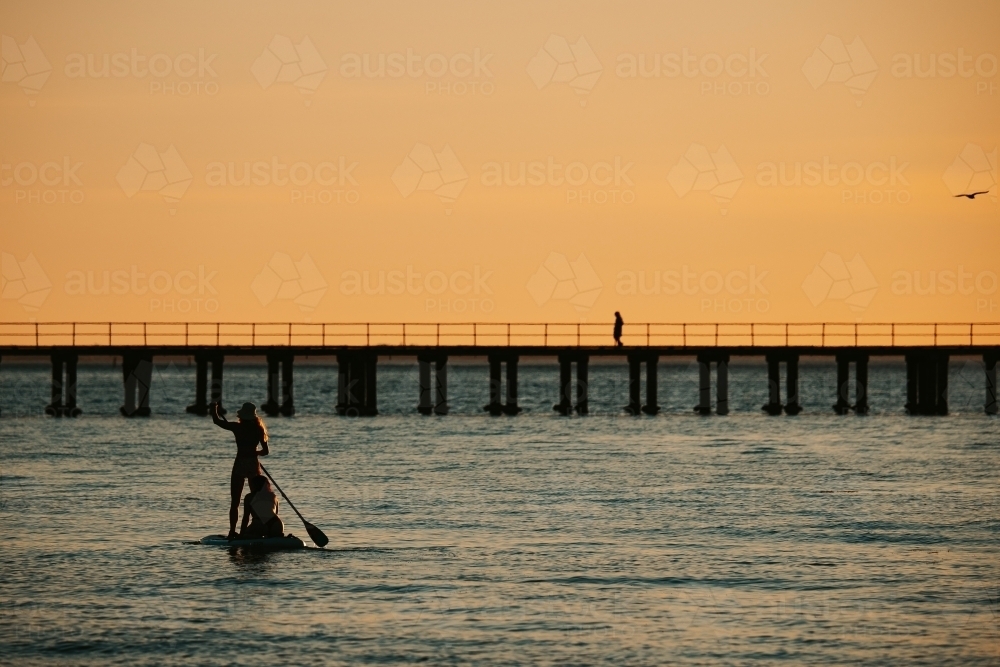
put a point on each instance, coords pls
(659, 144)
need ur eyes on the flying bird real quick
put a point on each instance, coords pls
(972, 195)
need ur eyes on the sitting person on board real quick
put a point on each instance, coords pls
(249, 431)
(260, 510)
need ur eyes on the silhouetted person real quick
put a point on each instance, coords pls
(619, 323)
(249, 431)
(260, 511)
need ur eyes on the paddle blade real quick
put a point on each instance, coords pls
(316, 535)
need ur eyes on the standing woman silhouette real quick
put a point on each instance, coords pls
(249, 431)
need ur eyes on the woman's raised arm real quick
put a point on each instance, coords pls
(219, 419)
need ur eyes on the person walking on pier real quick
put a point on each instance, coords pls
(249, 431)
(619, 323)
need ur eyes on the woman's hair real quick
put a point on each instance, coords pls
(260, 425)
(257, 483)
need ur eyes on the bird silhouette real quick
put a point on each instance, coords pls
(972, 195)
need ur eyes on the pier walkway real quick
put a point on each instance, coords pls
(926, 348)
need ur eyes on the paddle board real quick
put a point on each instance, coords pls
(287, 542)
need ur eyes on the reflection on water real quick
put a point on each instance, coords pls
(250, 561)
(604, 539)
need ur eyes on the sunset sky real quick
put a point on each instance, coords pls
(714, 161)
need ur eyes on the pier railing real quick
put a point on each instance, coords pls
(491, 334)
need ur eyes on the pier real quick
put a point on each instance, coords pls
(357, 347)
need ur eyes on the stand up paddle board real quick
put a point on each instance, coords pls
(270, 543)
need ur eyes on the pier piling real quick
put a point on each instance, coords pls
(495, 406)
(424, 404)
(565, 404)
(357, 394)
(651, 407)
(722, 385)
(942, 392)
(704, 406)
(860, 405)
(990, 362)
(272, 406)
(62, 401)
(843, 403)
(582, 385)
(566, 384)
(287, 385)
(343, 386)
(433, 397)
(500, 390)
(705, 361)
(70, 408)
(927, 384)
(911, 384)
(861, 384)
(129, 378)
(773, 405)
(792, 405)
(634, 406)
(137, 372)
(511, 407)
(144, 371)
(441, 390)
(54, 408)
(200, 405)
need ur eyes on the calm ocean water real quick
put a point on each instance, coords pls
(674, 539)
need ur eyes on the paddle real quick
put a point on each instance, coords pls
(315, 533)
